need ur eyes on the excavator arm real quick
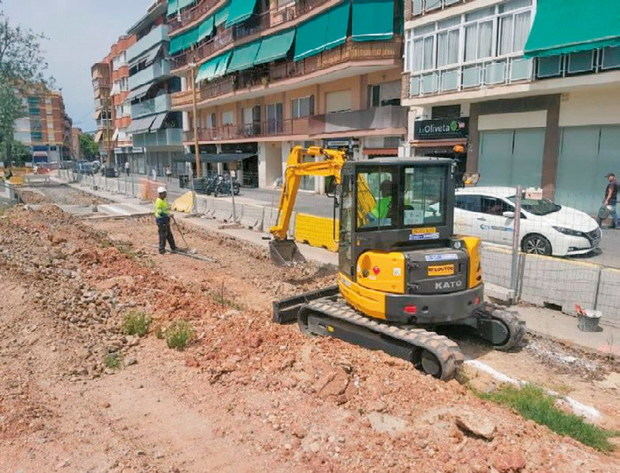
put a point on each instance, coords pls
(284, 251)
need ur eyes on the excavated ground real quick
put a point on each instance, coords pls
(246, 396)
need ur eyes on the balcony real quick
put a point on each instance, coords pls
(272, 74)
(165, 137)
(191, 14)
(508, 70)
(149, 74)
(156, 36)
(421, 7)
(376, 118)
(159, 104)
(256, 24)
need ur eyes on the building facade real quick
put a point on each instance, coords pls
(520, 92)
(45, 128)
(269, 75)
(156, 130)
(112, 111)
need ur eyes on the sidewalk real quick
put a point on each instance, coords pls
(539, 320)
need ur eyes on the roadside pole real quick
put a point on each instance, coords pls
(195, 120)
(514, 269)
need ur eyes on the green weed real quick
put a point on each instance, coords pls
(179, 334)
(136, 323)
(534, 404)
(112, 361)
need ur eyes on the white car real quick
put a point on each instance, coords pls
(546, 228)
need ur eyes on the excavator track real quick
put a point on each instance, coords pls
(502, 328)
(431, 353)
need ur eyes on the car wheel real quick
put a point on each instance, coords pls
(536, 244)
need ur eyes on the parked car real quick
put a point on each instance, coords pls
(546, 227)
(109, 171)
(84, 167)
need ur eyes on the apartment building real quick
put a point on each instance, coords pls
(271, 74)
(112, 112)
(101, 75)
(45, 128)
(522, 92)
(156, 130)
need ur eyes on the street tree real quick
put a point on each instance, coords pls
(88, 147)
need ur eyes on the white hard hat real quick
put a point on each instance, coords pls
(161, 189)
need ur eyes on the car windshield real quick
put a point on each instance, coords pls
(538, 206)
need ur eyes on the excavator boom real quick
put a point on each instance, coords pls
(282, 250)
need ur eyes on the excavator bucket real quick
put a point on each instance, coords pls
(285, 253)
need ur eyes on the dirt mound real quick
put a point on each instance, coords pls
(316, 404)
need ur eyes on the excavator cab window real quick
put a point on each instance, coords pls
(376, 199)
(424, 196)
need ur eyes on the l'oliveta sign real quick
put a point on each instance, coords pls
(441, 129)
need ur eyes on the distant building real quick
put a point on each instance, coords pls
(76, 151)
(46, 128)
(523, 92)
(112, 110)
(156, 130)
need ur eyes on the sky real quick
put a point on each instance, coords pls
(80, 33)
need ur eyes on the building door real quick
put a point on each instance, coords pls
(511, 157)
(587, 154)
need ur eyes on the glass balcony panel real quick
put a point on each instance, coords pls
(471, 76)
(580, 62)
(611, 57)
(521, 69)
(449, 80)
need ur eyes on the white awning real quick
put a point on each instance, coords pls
(98, 136)
(115, 135)
(140, 125)
(139, 92)
(158, 122)
(148, 57)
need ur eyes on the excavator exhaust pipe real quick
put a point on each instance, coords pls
(285, 253)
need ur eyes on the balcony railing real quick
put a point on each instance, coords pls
(375, 118)
(156, 36)
(273, 73)
(426, 6)
(159, 104)
(191, 14)
(256, 24)
(508, 70)
(165, 137)
(149, 74)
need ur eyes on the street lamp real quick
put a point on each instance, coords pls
(192, 66)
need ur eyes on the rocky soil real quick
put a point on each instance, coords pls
(246, 396)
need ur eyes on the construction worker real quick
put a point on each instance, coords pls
(162, 217)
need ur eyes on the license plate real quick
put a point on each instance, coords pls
(441, 270)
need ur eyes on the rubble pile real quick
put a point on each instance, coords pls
(314, 402)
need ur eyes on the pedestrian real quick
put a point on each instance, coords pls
(162, 217)
(154, 174)
(610, 201)
(168, 172)
(127, 167)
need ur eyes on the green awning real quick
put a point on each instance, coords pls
(207, 70)
(184, 3)
(275, 47)
(205, 29)
(373, 20)
(222, 64)
(183, 41)
(322, 32)
(243, 57)
(568, 26)
(173, 7)
(221, 16)
(239, 10)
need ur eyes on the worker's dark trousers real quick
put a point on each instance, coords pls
(165, 233)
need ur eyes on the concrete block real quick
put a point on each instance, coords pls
(251, 216)
(271, 218)
(562, 282)
(222, 210)
(609, 296)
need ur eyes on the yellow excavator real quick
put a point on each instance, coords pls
(402, 271)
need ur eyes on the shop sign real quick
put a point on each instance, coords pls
(441, 129)
(138, 150)
(337, 143)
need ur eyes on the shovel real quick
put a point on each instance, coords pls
(189, 250)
